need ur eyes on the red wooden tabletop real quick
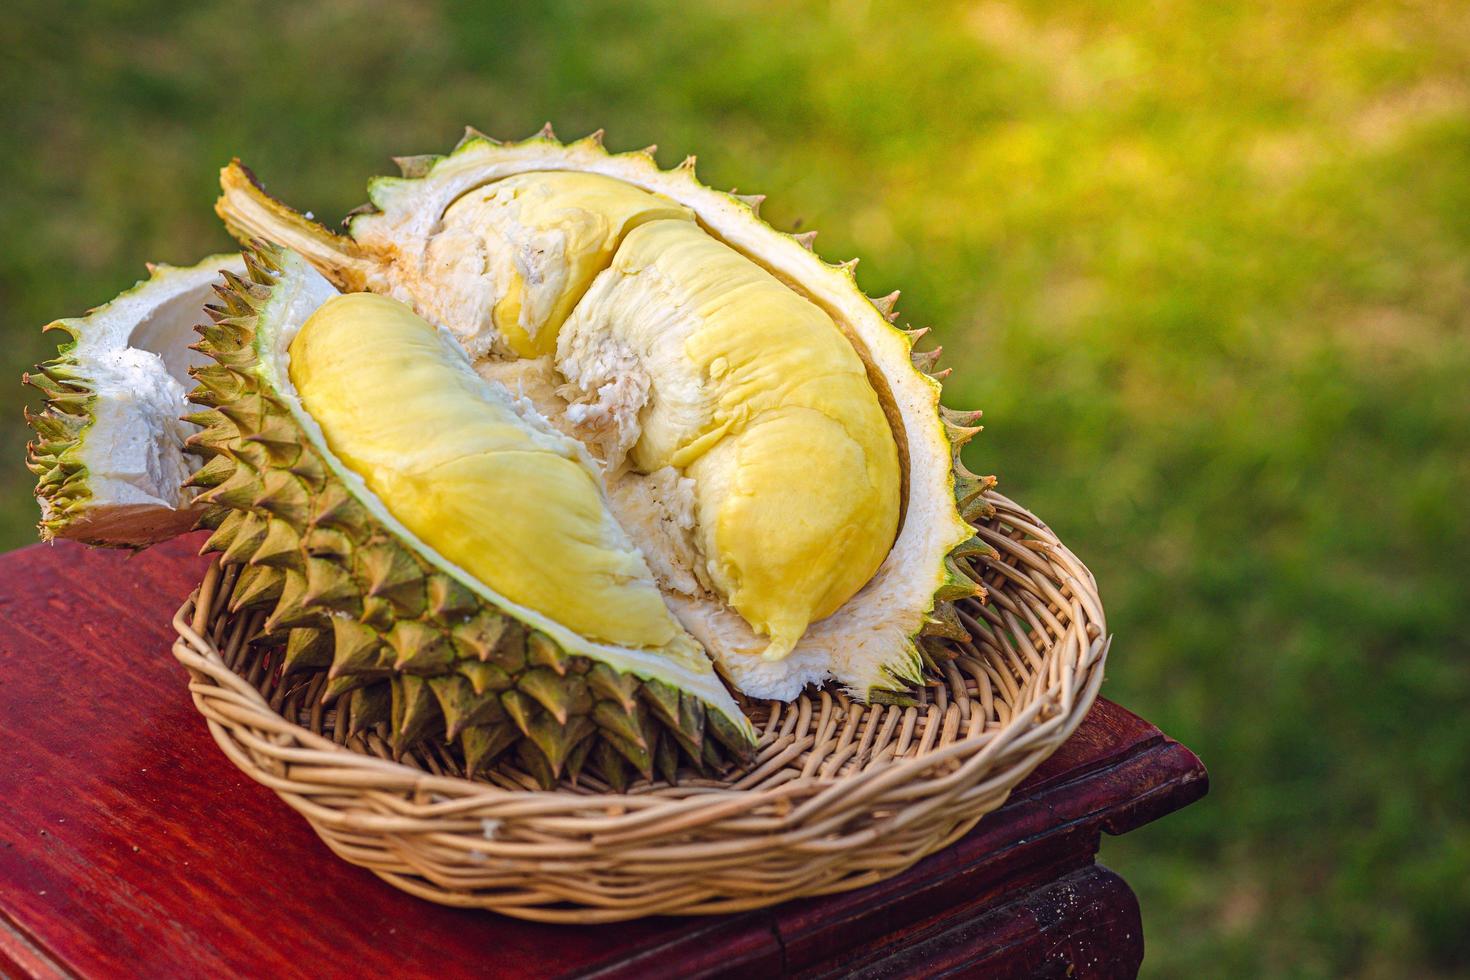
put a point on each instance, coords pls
(130, 846)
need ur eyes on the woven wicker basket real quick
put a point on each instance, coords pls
(842, 794)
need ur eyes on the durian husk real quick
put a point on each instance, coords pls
(61, 476)
(409, 644)
(72, 505)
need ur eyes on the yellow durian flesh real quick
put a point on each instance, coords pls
(752, 391)
(512, 503)
(528, 246)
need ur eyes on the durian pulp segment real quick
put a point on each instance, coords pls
(685, 354)
(454, 458)
(525, 249)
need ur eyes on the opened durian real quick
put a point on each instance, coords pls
(547, 438)
(768, 439)
(109, 445)
(434, 542)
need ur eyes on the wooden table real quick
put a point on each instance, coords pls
(129, 845)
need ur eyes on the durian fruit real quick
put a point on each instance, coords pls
(108, 450)
(443, 551)
(770, 440)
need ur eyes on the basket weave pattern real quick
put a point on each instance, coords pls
(841, 794)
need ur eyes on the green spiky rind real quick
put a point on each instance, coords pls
(343, 592)
(54, 454)
(954, 578)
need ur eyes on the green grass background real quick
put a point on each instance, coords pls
(1204, 265)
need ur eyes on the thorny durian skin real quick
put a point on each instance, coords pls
(451, 459)
(542, 237)
(760, 398)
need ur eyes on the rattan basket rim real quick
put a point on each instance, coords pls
(669, 849)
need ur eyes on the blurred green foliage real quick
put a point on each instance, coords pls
(1206, 267)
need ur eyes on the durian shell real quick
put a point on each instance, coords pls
(75, 502)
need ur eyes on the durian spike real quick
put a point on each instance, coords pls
(306, 648)
(414, 167)
(338, 686)
(358, 649)
(577, 759)
(256, 586)
(887, 305)
(224, 531)
(608, 763)
(626, 726)
(473, 135)
(944, 622)
(370, 706)
(958, 433)
(975, 548)
(537, 766)
(666, 758)
(927, 360)
(415, 711)
(482, 744)
(752, 201)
